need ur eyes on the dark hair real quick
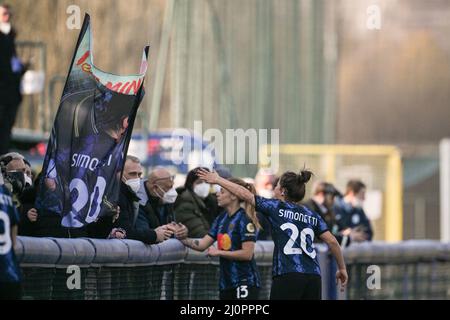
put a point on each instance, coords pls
(191, 178)
(249, 209)
(355, 186)
(325, 188)
(275, 182)
(294, 184)
(106, 116)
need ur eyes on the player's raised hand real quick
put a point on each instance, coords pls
(210, 177)
(342, 278)
(213, 252)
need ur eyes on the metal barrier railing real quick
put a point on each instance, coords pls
(128, 269)
(414, 269)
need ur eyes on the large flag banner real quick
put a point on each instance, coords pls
(90, 136)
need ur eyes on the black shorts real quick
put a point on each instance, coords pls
(10, 291)
(243, 292)
(296, 286)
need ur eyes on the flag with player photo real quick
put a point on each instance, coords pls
(89, 140)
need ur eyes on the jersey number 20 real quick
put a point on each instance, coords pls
(83, 197)
(289, 247)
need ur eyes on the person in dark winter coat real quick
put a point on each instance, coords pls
(130, 225)
(195, 206)
(157, 197)
(322, 203)
(350, 213)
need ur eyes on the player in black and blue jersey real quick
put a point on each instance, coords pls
(10, 276)
(296, 271)
(235, 231)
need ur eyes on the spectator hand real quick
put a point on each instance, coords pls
(182, 232)
(213, 252)
(50, 184)
(173, 226)
(116, 216)
(346, 232)
(117, 233)
(210, 177)
(163, 233)
(32, 215)
(342, 278)
(358, 235)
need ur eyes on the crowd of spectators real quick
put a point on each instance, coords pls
(150, 209)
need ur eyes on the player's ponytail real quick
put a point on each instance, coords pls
(304, 176)
(295, 184)
(249, 209)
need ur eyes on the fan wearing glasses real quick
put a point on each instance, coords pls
(158, 196)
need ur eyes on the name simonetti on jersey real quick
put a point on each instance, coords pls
(88, 162)
(294, 215)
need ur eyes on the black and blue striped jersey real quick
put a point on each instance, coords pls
(294, 228)
(231, 231)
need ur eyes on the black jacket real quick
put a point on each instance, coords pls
(329, 219)
(129, 218)
(353, 217)
(7, 51)
(26, 227)
(48, 224)
(191, 210)
(101, 228)
(155, 213)
(9, 81)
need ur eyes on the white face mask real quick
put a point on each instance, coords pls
(28, 181)
(134, 184)
(5, 27)
(169, 196)
(357, 203)
(216, 188)
(266, 193)
(202, 189)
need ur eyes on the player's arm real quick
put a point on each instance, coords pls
(244, 254)
(198, 244)
(335, 249)
(239, 191)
